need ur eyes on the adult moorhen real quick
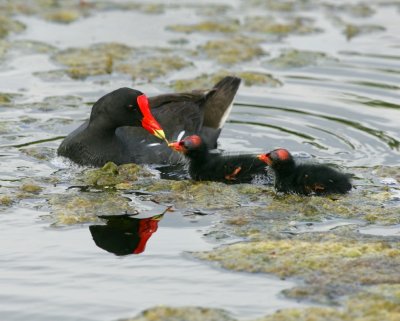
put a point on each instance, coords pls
(116, 129)
(304, 179)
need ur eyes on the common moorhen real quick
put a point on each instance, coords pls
(116, 130)
(304, 179)
(208, 166)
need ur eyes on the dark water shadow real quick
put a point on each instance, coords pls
(124, 234)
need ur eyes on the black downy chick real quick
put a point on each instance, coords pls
(207, 166)
(304, 179)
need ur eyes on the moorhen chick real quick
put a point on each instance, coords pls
(207, 166)
(304, 178)
(120, 122)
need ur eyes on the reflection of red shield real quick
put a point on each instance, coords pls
(147, 227)
(123, 234)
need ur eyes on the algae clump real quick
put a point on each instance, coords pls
(62, 15)
(8, 25)
(72, 209)
(267, 25)
(205, 80)
(5, 200)
(228, 26)
(234, 50)
(165, 313)
(97, 59)
(151, 68)
(31, 188)
(111, 174)
(299, 58)
(352, 30)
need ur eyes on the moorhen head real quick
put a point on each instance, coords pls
(304, 179)
(124, 107)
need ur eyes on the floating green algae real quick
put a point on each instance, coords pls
(262, 24)
(257, 78)
(8, 25)
(331, 265)
(39, 152)
(234, 50)
(6, 200)
(226, 26)
(165, 313)
(5, 98)
(359, 10)
(204, 81)
(352, 30)
(31, 188)
(193, 195)
(286, 6)
(111, 174)
(97, 59)
(151, 68)
(376, 303)
(31, 46)
(74, 208)
(299, 58)
(295, 257)
(62, 15)
(102, 59)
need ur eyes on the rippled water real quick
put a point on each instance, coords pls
(344, 110)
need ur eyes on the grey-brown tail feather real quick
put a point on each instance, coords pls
(218, 102)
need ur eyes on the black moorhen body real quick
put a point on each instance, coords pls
(114, 131)
(304, 178)
(206, 166)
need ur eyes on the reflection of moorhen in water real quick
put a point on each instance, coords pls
(123, 234)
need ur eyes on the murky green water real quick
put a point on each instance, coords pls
(320, 78)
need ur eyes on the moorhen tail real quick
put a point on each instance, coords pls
(119, 125)
(207, 166)
(304, 178)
